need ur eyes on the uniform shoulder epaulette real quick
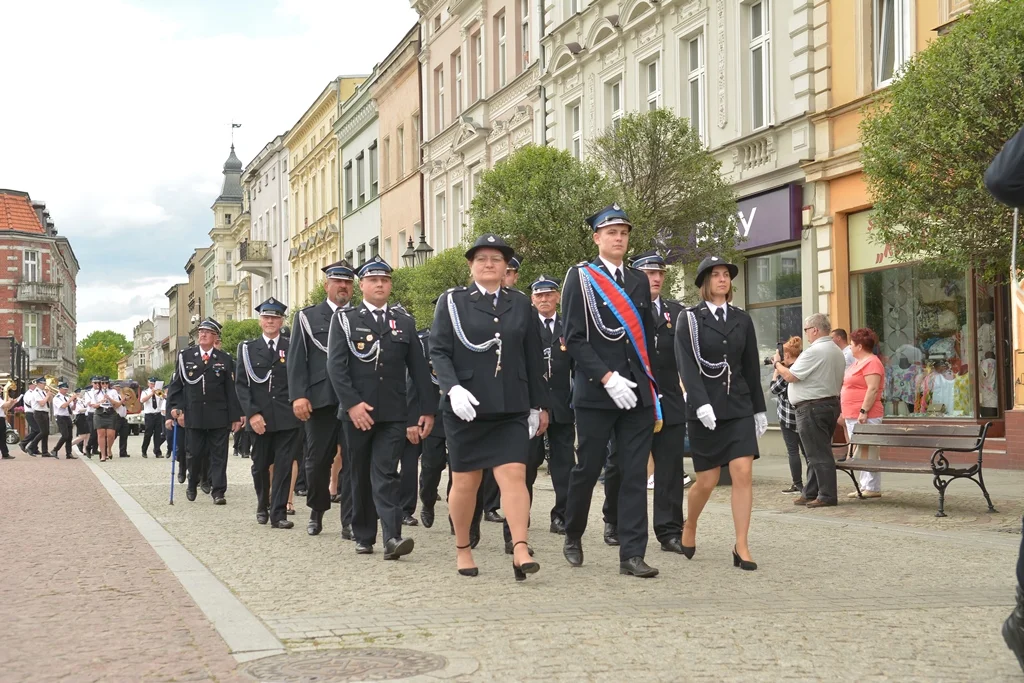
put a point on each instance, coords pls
(581, 264)
(513, 290)
(736, 308)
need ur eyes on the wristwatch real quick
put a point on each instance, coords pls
(863, 412)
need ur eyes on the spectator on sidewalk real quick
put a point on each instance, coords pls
(815, 381)
(842, 340)
(861, 400)
(787, 415)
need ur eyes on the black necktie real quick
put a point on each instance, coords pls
(270, 345)
(618, 277)
(720, 315)
(377, 316)
(153, 402)
(550, 324)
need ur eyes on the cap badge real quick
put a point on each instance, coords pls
(491, 238)
(714, 258)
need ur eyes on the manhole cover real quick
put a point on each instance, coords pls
(339, 666)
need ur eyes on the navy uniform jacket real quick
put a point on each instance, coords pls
(519, 385)
(210, 403)
(269, 399)
(307, 364)
(379, 383)
(663, 360)
(734, 341)
(435, 393)
(1005, 176)
(560, 377)
(593, 359)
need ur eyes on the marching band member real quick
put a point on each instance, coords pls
(92, 445)
(609, 330)
(412, 445)
(202, 399)
(151, 413)
(81, 418)
(105, 402)
(719, 365)
(37, 414)
(314, 401)
(63, 404)
(262, 386)
(486, 350)
(121, 424)
(5, 408)
(370, 350)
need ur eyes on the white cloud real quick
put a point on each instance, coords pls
(121, 304)
(134, 214)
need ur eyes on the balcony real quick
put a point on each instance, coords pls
(254, 257)
(43, 355)
(38, 292)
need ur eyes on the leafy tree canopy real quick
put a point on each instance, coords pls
(235, 332)
(108, 337)
(98, 359)
(422, 284)
(930, 136)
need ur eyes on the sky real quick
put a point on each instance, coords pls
(118, 115)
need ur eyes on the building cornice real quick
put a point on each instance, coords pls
(359, 112)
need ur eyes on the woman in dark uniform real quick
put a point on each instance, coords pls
(716, 352)
(485, 348)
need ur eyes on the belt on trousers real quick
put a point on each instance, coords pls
(811, 402)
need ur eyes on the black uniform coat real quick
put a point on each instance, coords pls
(269, 399)
(519, 386)
(212, 402)
(663, 360)
(595, 358)
(1005, 176)
(307, 364)
(734, 341)
(381, 384)
(560, 376)
(413, 400)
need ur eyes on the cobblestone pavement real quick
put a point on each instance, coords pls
(869, 590)
(83, 597)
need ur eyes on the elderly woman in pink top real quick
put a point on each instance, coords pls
(861, 400)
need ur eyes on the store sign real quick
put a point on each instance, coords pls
(865, 253)
(770, 218)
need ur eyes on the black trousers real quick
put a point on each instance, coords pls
(561, 459)
(489, 492)
(815, 423)
(34, 436)
(534, 459)
(209, 456)
(322, 439)
(300, 457)
(432, 463)
(155, 431)
(277, 449)
(407, 485)
(634, 432)
(123, 430)
(93, 445)
(243, 441)
(64, 429)
(3, 433)
(667, 449)
(374, 455)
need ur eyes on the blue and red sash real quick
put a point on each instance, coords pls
(627, 315)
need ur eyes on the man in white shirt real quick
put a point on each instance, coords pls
(123, 428)
(89, 397)
(842, 340)
(152, 414)
(62, 406)
(37, 414)
(79, 418)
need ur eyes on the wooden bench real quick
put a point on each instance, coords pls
(940, 439)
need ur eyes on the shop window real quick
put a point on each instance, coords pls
(773, 301)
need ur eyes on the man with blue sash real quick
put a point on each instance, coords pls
(608, 326)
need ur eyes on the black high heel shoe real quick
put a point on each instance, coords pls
(688, 550)
(471, 571)
(520, 571)
(745, 565)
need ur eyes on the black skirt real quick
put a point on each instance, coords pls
(104, 420)
(488, 441)
(730, 440)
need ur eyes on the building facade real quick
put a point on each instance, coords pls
(148, 340)
(38, 291)
(196, 288)
(177, 319)
(358, 141)
(396, 93)
(314, 186)
(226, 209)
(481, 100)
(263, 252)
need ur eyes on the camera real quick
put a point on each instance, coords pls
(770, 360)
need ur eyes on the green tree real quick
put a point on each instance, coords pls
(930, 136)
(164, 372)
(108, 337)
(98, 359)
(422, 284)
(670, 186)
(538, 200)
(237, 331)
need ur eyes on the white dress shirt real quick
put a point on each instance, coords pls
(147, 401)
(60, 405)
(714, 307)
(613, 269)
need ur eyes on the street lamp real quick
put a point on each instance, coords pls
(423, 250)
(410, 255)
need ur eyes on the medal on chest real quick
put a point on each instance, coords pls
(668, 320)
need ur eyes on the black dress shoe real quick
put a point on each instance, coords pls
(219, 500)
(493, 516)
(157, 455)
(364, 549)
(181, 476)
(510, 546)
(206, 487)
(409, 520)
(558, 526)
(396, 547)
(1013, 628)
(262, 517)
(22, 447)
(673, 545)
(346, 533)
(573, 551)
(7, 457)
(124, 455)
(637, 567)
(145, 456)
(50, 455)
(611, 534)
(190, 493)
(71, 456)
(283, 524)
(427, 516)
(300, 492)
(246, 456)
(316, 522)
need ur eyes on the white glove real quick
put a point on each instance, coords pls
(760, 424)
(463, 402)
(706, 414)
(533, 421)
(620, 390)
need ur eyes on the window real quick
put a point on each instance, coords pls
(439, 86)
(416, 138)
(457, 68)
(458, 204)
(227, 263)
(441, 221)
(284, 292)
(227, 219)
(314, 210)
(652, 84)
(437, 23)
(614, 97)
(892, 39)
(32, 267)
(695, 83)
(349, 190)
(525, 32)
(323, 192)
(373, 247)
(31, 329)
(760, 64)
(574, 7)
(386, 161)
(502, 65)
(400, 138)
(374, 180)
(361, 177)
(403, 244)
(477, 42)
(334, 183)
(360, 254)
(575, 141)
(388, 255)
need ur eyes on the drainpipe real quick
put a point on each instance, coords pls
(543, 90)
(338, 165)
(419, 146)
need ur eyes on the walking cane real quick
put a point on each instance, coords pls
(174, 456)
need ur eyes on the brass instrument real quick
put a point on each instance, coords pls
(130, 400)
(159, 393)
(51, 385)
(10, 386)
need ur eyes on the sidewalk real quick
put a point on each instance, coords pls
(83, 597)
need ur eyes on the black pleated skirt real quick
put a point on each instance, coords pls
(730, 440)
(106, 421)
(488, 441)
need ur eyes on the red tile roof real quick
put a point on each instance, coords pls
(16, 212)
